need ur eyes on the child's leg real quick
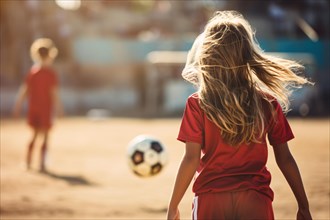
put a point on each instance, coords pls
(44, 150)
(30, 148)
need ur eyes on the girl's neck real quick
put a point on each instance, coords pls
(43, 64)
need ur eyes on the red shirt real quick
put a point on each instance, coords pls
(40, 81)
(224, 168)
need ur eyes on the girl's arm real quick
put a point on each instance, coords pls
(21, 95)
(187, 169)
(290, 170)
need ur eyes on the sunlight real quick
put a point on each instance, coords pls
(69, 4)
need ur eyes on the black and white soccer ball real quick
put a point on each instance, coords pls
(147, 156)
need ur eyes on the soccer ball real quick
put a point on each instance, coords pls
(146, 156)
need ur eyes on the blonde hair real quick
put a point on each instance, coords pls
(235, 76)
(43, 48)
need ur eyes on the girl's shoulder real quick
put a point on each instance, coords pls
(194, 96)
(193, 99)
(193, 102)
(35, 69)
(267, 98)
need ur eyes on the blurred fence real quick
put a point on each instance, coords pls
(115, 75)
(104, 45)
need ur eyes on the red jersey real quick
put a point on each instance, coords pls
(224, 168)
(40, 82)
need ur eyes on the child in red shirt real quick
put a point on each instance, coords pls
(41, 90)
(226, 123)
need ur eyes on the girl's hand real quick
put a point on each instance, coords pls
(173, 214)
(304, 214)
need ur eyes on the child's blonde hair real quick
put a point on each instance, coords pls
(234, 75)
(43, 48)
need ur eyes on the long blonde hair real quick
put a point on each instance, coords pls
(43, 48)
(235, 76)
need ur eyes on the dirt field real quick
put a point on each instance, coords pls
(89, 177)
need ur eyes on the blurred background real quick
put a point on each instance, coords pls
(121, 61)
(124, 58)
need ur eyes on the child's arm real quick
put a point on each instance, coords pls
(186, 172)
(290, 170)
(21, 95)
(57, 101)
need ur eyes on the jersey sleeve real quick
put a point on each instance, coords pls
(191, 129)
(280, 130)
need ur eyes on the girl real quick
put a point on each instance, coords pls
(241, 93)
(40, 87)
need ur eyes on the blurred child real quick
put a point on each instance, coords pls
(41, 90)
(241, 92)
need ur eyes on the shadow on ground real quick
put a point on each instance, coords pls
(71, 179)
